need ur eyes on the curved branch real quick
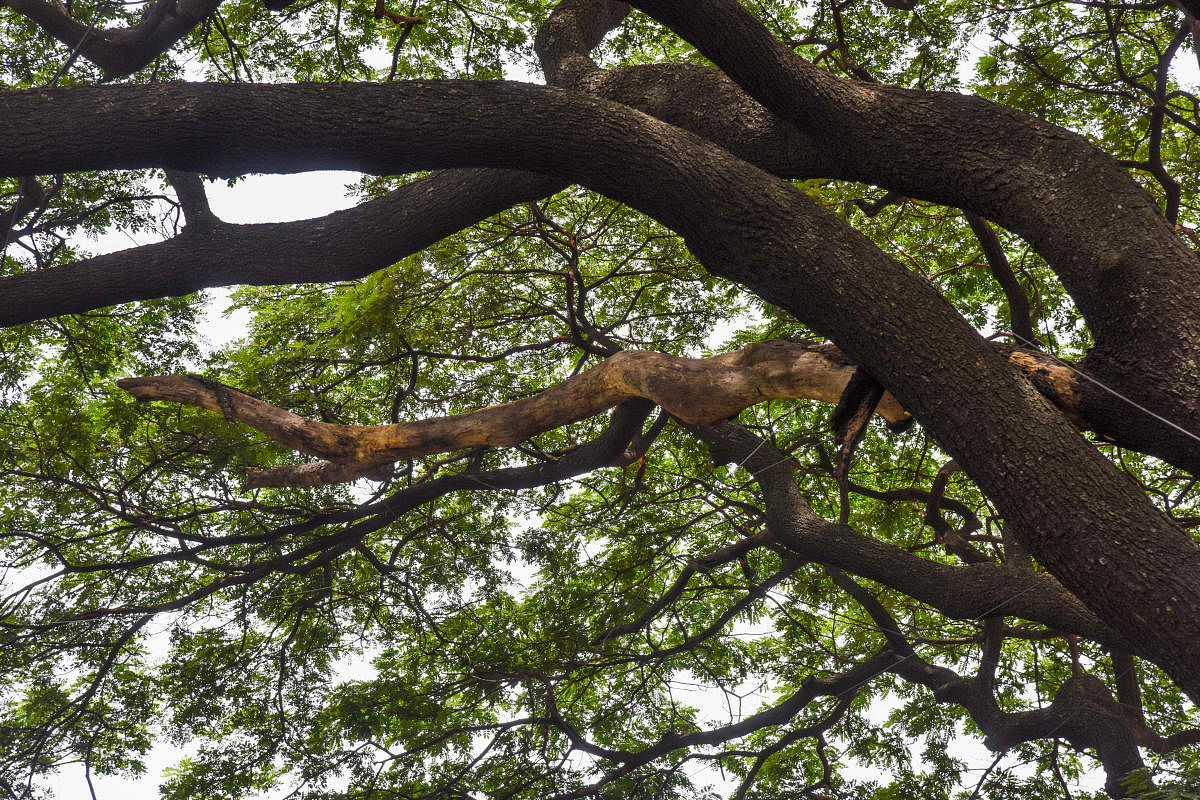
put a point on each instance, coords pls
(1083, 710)
(993, 251)
(974, 591)
(118, 51)
(740, 223)
(1030, 176)
(344, 245)
(572, 31)
(349, 244)
(692, 389)
(311, 554)
(189, 188)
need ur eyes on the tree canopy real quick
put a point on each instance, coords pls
(761, 402)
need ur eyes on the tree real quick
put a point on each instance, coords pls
(542, 497)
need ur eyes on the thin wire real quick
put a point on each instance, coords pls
(1112, 391)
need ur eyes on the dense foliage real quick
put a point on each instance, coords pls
(615, 607)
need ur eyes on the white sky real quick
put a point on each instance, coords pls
(269, 198)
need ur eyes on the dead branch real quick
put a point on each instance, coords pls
(695, 390)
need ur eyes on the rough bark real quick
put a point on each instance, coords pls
(1134, 280)
(340, 246)
(118, 51)
(350, 244)
(1089, 524)
(1131, 276)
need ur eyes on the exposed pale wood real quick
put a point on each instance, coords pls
(696, 390)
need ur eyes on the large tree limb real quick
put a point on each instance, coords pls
(340, 246)
(1134, 280)
(1032, 177)
(692, 389)
(695, 390)
(349, 244)
(740, 223)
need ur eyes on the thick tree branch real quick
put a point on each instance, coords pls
(694, 390)
(341, 246)
(1018, 303)
(741, 223)
(975, 591)
(352, 243)
(189, 188)
(31, 196)
(1123, 269)
(118, 51)
(926, 144)
(572, 31)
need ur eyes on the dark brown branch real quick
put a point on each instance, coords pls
(837, 686)
(118, 51)
(189, 188)
(874, 207)
(975, 591)
(572, 31)
(1018, 303)
(350, 244)
(741, 224)
(1082, 711)
(702, 564)
(344, 245)
(321, 550)
(954, 540)
(31, 195)
(1125, 266)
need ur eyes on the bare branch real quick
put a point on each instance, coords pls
(974, 591)
(694, 390)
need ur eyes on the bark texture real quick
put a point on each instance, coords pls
(118, 51)
(1134, 280)
(741, 223)
(692, 390)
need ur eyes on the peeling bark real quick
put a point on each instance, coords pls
(692, 390)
